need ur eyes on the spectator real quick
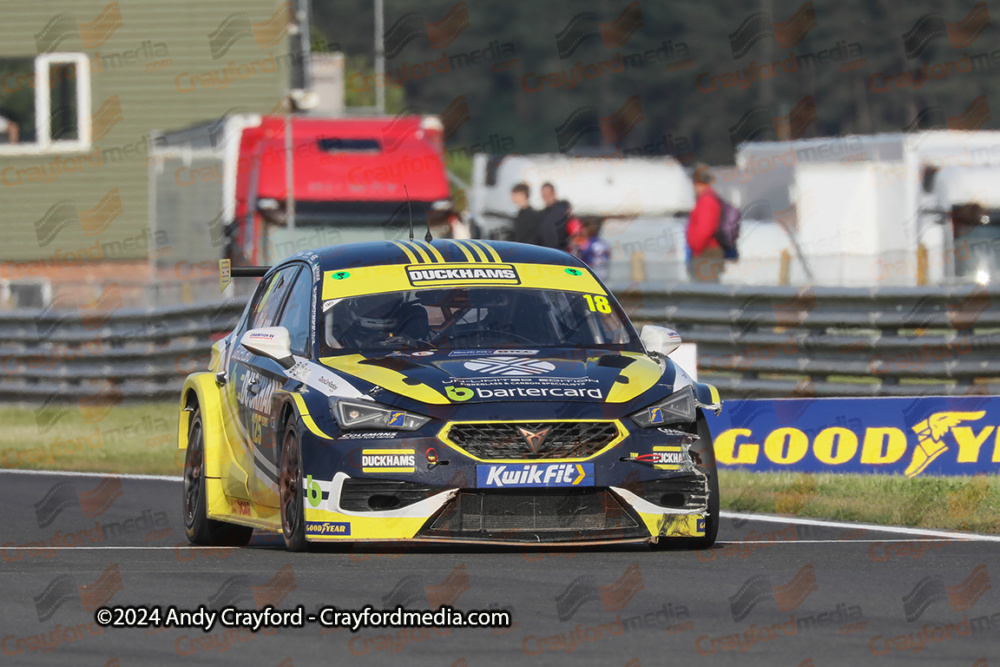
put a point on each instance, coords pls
(707, 257)
(526, 225)
(556, 214)
(591, 248)
(10, 128)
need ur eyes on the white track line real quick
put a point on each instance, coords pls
(898, 530)
(67, 473)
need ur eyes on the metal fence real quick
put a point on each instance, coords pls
(99, 356)
(752, 342)
(787, 342)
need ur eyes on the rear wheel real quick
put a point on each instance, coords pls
(293, 523)
(197, 526)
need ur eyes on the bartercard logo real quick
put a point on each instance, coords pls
(449, 274)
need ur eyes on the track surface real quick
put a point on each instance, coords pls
(657, 608)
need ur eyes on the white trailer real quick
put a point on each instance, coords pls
(880, 209)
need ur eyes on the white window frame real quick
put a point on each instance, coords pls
(43, 108)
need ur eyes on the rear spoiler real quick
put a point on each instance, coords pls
(227, 272)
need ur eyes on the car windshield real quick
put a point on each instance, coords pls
(474, 318)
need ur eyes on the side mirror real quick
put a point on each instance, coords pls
(659, 340)
(271, 342)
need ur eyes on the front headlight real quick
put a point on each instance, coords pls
(678, 407)
(371, 415)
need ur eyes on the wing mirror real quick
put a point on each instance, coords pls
(659, 340)
(271, 342)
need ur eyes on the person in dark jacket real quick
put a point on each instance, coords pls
(556, 214)
(527, 223)
(707, 256)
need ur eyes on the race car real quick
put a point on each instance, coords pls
(462, 391)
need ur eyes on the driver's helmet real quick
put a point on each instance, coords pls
(377, 313)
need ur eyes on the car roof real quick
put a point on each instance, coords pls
(381, 253)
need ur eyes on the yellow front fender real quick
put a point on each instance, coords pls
(225, 476)
(203, 389)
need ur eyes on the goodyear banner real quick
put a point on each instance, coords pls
(909, 436)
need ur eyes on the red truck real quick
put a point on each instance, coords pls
(221, 189)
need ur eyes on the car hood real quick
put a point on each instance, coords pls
(482, 376)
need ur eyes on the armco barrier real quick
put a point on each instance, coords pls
(94, 357)
(771, 342)
(753, 342)
(911, 436)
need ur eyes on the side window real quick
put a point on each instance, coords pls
(268, 305)
(297, 313)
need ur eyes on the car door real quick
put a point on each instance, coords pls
(254, 379)
(238, 467)
(295, 316)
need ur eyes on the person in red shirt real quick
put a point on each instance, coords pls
(707, 257)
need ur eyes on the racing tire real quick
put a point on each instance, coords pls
(198, 528)
(703, 452)
(292, 492)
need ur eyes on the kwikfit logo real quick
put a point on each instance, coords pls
(535, 475)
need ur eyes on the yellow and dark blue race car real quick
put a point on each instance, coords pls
(463, 391)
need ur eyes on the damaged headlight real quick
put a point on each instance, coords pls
(371, 415)
(678, 407)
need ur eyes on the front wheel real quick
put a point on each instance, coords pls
(293, 523)
(703, 452)
(197, 526)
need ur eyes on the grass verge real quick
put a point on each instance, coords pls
(950, 503)
(138, 438)
(141, 439)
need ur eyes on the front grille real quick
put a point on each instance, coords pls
(562, 440)
(370, 495)
(536, 516)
